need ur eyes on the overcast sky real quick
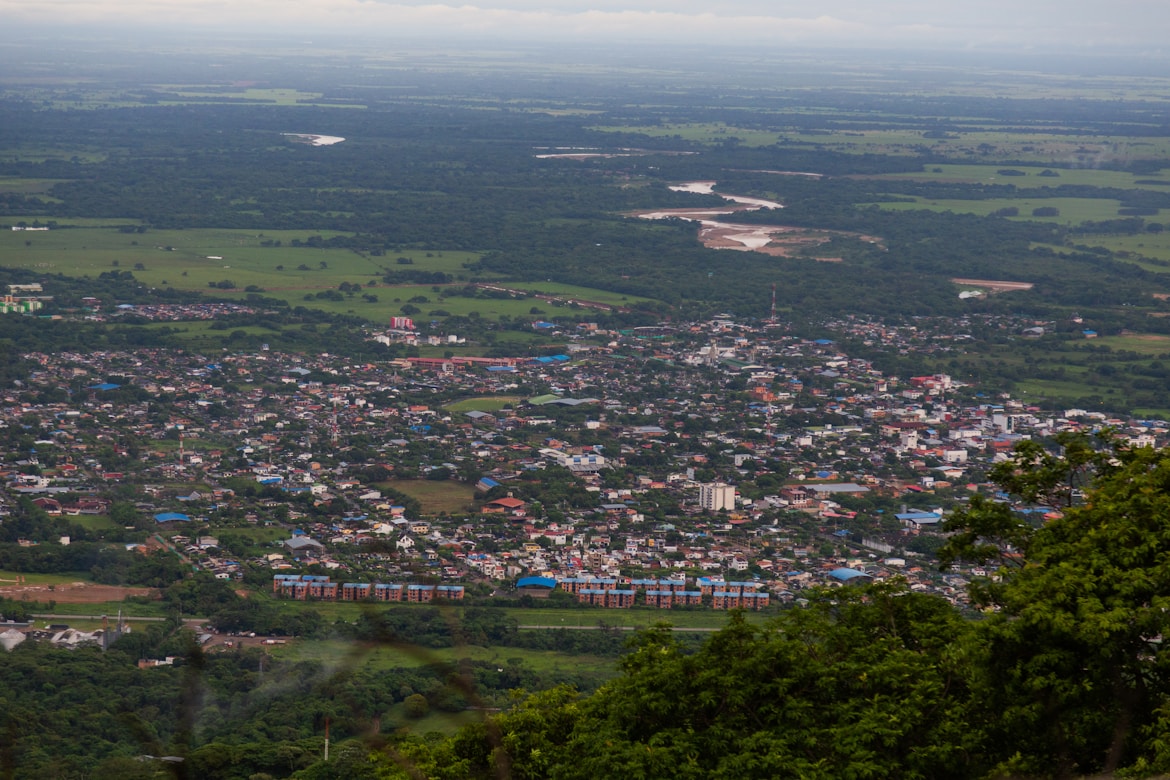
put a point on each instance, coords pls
(934, 24)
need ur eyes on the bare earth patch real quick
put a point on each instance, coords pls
(993, 286)
(75, 593)
(774, 240)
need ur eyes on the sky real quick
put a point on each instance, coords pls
(1026, 25)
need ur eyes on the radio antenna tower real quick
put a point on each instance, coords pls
(772, 318)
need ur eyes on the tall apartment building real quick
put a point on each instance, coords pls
(714, 496)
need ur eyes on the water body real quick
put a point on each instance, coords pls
(708, 188)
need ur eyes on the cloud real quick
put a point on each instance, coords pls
(857, 22)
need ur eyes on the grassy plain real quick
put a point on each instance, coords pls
(1154, 246)
(196, 259)
(1073, 211)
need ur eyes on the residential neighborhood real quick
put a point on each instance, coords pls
(717, 464)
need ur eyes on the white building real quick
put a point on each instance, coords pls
(715, 496)
(583, 462)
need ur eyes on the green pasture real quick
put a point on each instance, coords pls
(485, 403)
(198, 259)
(1153, 256)
(184, 259)
(1154, 246)
(1152, 344)
(989, 174)
(435, 495)
(7, 578)
(96, 609)
(1033, 390)
(1073, 211)
(94, 522)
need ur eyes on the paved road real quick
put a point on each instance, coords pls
(128, 618)
(622, 628)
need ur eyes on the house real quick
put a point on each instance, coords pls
(505, 505)
(303, 544)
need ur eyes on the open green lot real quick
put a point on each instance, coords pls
(435, 495)
(94, 522)
(486, 403)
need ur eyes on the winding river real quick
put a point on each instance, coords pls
(720, 234)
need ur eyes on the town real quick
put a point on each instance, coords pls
(715, 464)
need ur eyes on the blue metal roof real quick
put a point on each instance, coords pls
(536, 582)
(846, 575)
